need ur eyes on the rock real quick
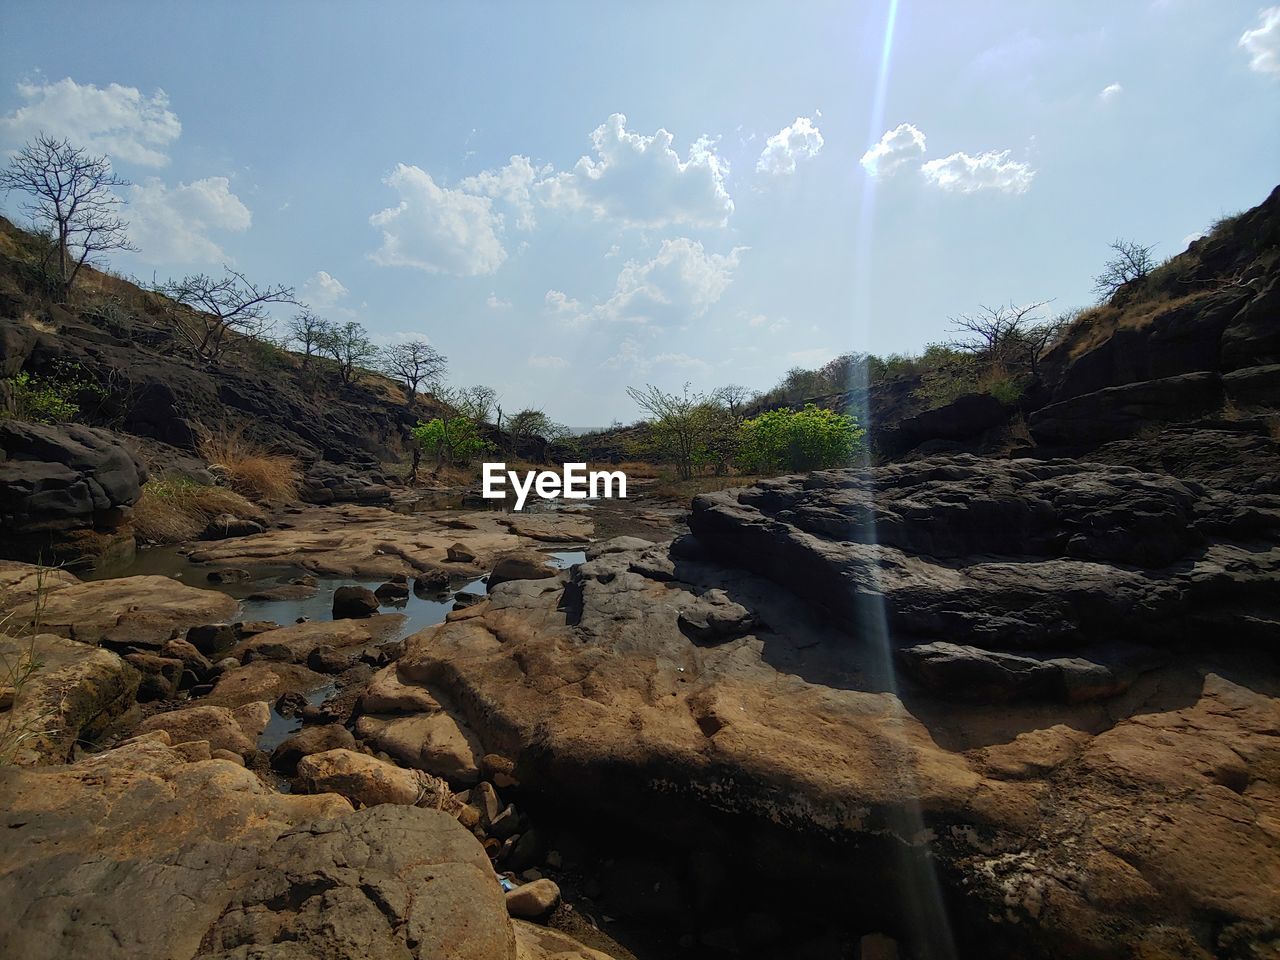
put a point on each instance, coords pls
(307, 741)
(1121, 411)
(715, 617)
(325, 659)
(354, 602)
(225, 526)
(391, 593)
(160, 675)
(192, 659)
(261, 681)
(228, 575)
(362, 779)
(285, 593)
(533, 901)
(298, 642)
(877, 946)
(528, 850)
(435, 743)
(193, 751)
(227, 755)
(524, 565)
(139, 630)
(434, 580)
(536, 942)
(218, 725)
(505, 824)
(212, 639)
(66, 492)
(459, 553)
(74, 695)
(485, 799)
(386, 693)
(462, 599)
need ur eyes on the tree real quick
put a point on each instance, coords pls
(997, 334)
(1132, 261)
(734, 397)
(222, 306)
(349, 347)
(71, 201)
(681, 424)
(415, 362)
(308, 331)
(476, 402)
(450, 439)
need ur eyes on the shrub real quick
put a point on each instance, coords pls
(808, 439)
(174, 509)
(453, 440)
(250, 469)
(51, 397)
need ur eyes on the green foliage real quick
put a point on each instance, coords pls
(454, 440)
(52, 397)
(1005, 389)
(808, 439)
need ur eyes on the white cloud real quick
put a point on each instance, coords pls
(437, 229)
(992, 170)
(119, 121)
(612, 252)
(641, 181)
(902, 145)
(547, 362)
(323, 289)
(511, 184)
(800, 140)
(565, 309)
(760, 321)
(1110, 92)
(1262, 42)
(495, 302)
(629, 357)
(172, 225)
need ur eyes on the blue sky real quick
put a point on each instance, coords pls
(570, 198)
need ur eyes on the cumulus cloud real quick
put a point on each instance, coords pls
(800, 140)
(323, 289)
(120, 121)
(1110, 92)
(511, 184)
(993, 170)
(547, 362)
(565, 309)
(495, 302)
(630, 357)
(899, 147)
(437, 229)
(642, 181)
(1262, 43)
(172, 224)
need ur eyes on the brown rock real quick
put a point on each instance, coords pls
(533, 901)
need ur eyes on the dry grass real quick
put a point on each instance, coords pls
(1096, 325)
(172, 510)
(251, 470)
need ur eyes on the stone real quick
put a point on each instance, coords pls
(285, 593)
(459, 553)
(715, 617)
(228, 575)
(387, 693)
(218, 725)
(391, 593)
(139, 630)
(434, 580)
(307, 741)
(505, 824)
(353, 602)
(227, 755)
(160, 675)
(225, 526)
(528, 850)
(212, 639)
(362, 779)
(533, 901)
(485, 799)
(435, 743)
(522, 565)
(192, 659)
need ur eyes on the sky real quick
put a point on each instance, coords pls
(568, 199)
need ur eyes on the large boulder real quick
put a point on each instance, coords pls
(66, 492)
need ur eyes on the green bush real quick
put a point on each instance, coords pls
(808, 439)
(52, 397)
(453, 440)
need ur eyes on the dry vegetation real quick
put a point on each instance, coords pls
(174, 510)
(251, 470)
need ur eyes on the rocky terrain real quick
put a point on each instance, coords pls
(947, 704)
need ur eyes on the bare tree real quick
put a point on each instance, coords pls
(1132, 261)
(71, 201)
(308, 330)
(995, 333)
(350, 348)
(734, 397)
(220, 307)
(476, 402)
(415, 362)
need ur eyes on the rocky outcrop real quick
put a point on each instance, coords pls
(1043, 691)
(66, 492)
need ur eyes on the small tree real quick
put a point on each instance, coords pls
(307, 330)
(1132, 261)
(679, 424)
(221, 307)
(476, 402)
(453, 440)
(996, 334)
(416, 363)
(349, 347)
(808, 439)
(71, 201)
(734, 397)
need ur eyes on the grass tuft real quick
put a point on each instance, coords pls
(250, 469)
(174, 510)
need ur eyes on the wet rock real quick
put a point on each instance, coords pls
(192, 659)
(212, 639)
(521, 565)
(326, 659)
(251, 628)
(140, 630)
(285, 593)
(533, 901)
(715, 617)
(352, 602)
(309, 740)
(392, 592)
(228, 575)
(225, 526)
(261, 680)
(463, 599)
(433, 580)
